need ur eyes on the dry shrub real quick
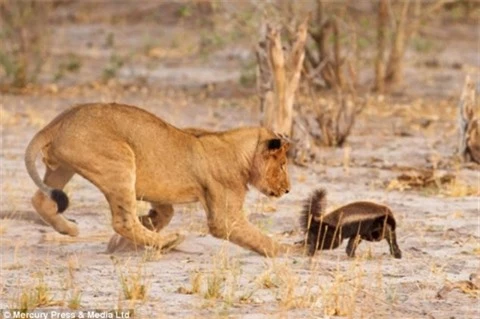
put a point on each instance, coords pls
(423, 178)
(465, 286)
(437, 182)
(24, 38)
(328, 122)
(335, 121)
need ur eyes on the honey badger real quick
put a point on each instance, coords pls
(356, 221)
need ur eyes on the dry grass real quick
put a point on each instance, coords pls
(459, 188)
(34, 297)
(74, 302)
(5, 225)
(134, 286)
(222, 279)
(339, 298)
(219, 282)
(196, 281)
(133, 280)
(433, 182)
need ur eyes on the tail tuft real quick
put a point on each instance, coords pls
(60, 198)
(314, 207)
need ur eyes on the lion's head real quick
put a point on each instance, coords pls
(269, 172)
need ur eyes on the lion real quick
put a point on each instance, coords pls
(130, 154)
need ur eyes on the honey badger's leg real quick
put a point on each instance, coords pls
(158, 217)
(391, 238)
(352, 245)
(47, 208)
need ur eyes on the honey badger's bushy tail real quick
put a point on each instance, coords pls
(313, 208)
(35, 146)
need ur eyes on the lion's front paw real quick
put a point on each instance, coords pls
(298, 248)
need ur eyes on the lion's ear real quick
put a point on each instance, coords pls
(274, 144)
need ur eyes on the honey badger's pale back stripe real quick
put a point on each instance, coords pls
(360, 211)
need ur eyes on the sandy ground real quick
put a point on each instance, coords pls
(438, 234)
(438, 226)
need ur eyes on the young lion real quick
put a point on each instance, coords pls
(130, 155)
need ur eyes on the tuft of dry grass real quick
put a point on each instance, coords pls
(134, 286)
(215, 281)
(459, 188)
(196, 281)
(75, 300)
(133, 281)
(267, 280)
(220, 281)
(341, 296)
(6, 223)
(38, 296)
(287, 287)
(151, 254)
(346, 160)
(72, 267)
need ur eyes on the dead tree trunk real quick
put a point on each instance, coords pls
(381, 37)
(469, 125)
(279, 76)
(403, 31)
(394, 74)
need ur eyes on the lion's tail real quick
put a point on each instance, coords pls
(34, 147)
(313, 208)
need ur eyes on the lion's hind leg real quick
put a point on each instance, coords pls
(47, 208)
(157, 218)
(126, 223)
(113, 171)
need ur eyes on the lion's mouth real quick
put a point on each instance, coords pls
(273, 194)
(279, 193)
